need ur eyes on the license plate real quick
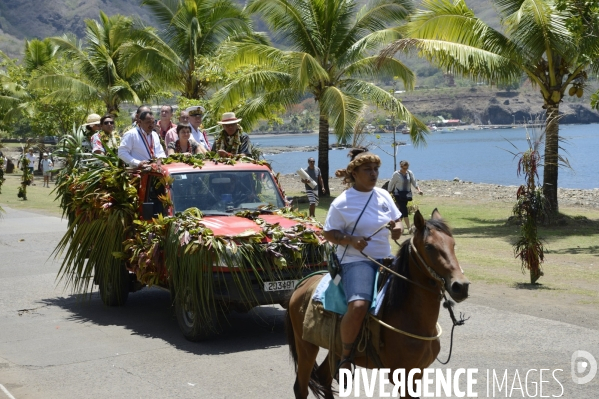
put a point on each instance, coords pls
(280, 285)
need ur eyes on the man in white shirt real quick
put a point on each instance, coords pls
(196, 113)
(141, 144)
(31, 158)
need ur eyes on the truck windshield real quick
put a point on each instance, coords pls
(220, 192)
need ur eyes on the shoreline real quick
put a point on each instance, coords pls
(484, 192)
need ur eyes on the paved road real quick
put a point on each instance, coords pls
(55, 345)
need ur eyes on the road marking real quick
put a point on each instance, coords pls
(6, 392)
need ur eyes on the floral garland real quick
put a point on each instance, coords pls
(229, 143)
(109, 140)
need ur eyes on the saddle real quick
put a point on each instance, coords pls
(321, 328)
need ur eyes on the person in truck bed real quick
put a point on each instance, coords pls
(141, 144)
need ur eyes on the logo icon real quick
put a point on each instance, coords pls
(583, 363)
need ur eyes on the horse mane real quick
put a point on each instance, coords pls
(398, 287)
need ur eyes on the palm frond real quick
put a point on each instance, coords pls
(342, 111)
(373, 67)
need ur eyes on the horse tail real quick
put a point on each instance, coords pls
(317, 388)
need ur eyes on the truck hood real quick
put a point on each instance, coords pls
(234, 225)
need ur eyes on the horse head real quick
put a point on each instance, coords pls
(435, 249)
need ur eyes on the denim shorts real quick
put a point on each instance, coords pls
(358, 280)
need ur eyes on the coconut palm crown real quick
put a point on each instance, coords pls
(536, 42)
(332, 45)
(119, 62)
(195, 28)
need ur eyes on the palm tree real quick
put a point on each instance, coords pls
(537, 42)
(196, 28)
(120, 62)
(331, 57)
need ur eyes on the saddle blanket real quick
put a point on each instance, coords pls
(332, 296)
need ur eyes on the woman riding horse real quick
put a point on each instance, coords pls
(409, 332)
(352, 218)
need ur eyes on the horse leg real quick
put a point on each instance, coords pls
(326, 379)
(306, 359)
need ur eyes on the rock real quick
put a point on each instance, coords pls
(456, 179)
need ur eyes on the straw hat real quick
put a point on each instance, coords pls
(228, 118)
(92, 119)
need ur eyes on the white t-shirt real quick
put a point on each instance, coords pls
(344, 212)
(46, 165)
(31, 158)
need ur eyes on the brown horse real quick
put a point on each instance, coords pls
(410, 307)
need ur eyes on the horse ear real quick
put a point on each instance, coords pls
(436, 214)
(419, 221)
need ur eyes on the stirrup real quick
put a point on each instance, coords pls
(352, 368)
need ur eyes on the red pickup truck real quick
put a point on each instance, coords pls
(219, 237)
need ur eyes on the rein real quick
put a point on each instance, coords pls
(446, 304)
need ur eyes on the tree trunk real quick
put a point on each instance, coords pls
(323, 152)
(550, 167)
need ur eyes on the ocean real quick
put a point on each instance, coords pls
(478, 156)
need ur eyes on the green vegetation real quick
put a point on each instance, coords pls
(120, 62)
(554, 45)
(333, 41)
(196, 29)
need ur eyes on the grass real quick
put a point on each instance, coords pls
(484, 245)
(39, 199)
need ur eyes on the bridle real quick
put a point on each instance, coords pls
(421, 264)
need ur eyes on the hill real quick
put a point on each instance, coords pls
(28, 19)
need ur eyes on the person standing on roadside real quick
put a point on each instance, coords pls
(141, 144)
(231, 140)
(46, 169)
(196, 114)
(400, 187)
(172, 135)
(314, 172)
(31, 159)
(164, 123)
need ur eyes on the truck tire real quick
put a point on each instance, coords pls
(115, 293)
(189, 320)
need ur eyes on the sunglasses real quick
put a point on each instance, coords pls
(108, 122)
(200, 115)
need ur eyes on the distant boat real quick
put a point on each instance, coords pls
(405, 130)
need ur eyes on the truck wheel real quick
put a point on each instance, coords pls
(189, 320)
(114, 291)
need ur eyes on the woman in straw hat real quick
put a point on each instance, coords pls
(231, 140)
(92, 126)
(352, 219)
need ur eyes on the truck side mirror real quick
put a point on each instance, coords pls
(147, 210)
